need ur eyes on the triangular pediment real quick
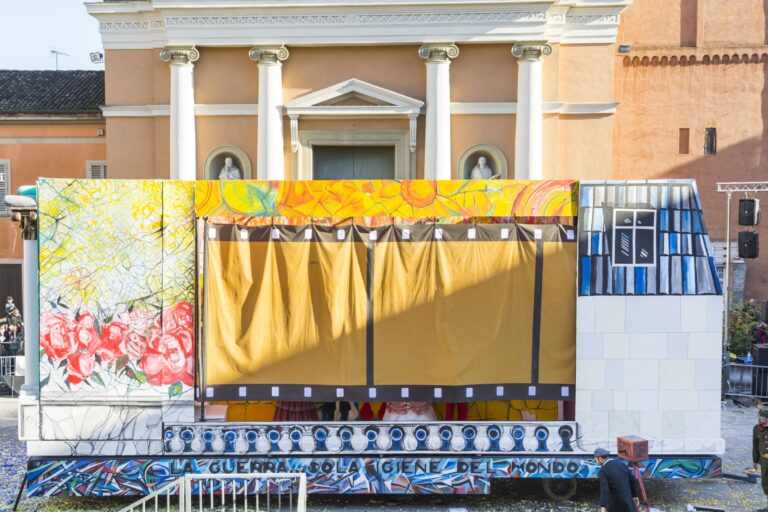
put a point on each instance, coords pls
(354, 93)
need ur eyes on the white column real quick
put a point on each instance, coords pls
(528, 131)
(30, 304)
(270, 162)
(183, 143)
(437, 141)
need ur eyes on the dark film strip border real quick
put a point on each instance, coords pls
(314, 393)
(391, 233)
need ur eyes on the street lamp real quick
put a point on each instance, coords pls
(97, 57)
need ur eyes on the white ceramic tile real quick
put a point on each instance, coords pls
(650, 424)
(609, 314)
(585, 314)
(677, 400)
(641, 374)
(708, 400)
(642, 400)
(705, 446)
(653, 314)
(672, 425)
(705, 346)
(614, 375)
(676, 374)
(616, 346)
(648, 345)
(589, 346)
(673, 446)
(677, 345)
(708, 375)
(619, 400)
(602, 400)
(702, 425)
(583, 401)
(590, 374)
(623, 423)
(715, 308)
(693, 313)
(593, 425)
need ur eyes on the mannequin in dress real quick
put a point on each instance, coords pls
(409, 411)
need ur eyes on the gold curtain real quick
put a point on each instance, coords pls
(285, 313)
(295, 311)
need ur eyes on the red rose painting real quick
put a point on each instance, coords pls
(97, 351)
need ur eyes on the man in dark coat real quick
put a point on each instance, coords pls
(760, 447)
(619, 490)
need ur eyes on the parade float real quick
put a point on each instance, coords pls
(378, 336)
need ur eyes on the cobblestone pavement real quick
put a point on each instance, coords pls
(507, 496)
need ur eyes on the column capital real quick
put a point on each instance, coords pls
(268, 54)
(531, 50)
(438, 52)
(179, 55)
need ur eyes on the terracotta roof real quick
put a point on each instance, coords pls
(51, 92)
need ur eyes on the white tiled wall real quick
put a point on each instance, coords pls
(650, 366)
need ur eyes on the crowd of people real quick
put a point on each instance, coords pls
(11, 330)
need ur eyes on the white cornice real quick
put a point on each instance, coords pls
(457, 108)
(52, 140)
(310, 22)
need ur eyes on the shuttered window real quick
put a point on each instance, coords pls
(96, 170)
(5, 185)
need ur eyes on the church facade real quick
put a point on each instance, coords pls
(408, 89)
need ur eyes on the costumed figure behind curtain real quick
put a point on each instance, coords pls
(295, 411)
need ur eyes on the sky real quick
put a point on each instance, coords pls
(29, 29)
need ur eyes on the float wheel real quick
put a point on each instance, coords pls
(560, 489)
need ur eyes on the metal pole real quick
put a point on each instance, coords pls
(727, 284)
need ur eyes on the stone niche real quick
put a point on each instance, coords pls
(493, 155)
(216, 159)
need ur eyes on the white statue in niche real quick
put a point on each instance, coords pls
(229, 171)
(482, 171)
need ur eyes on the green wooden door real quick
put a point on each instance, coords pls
(353, 162)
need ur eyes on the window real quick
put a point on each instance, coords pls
(353, 162)
(684, 141)
(96, 170)
(5, 185)
(710, 141)
(634, 238)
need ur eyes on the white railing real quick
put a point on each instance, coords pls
(160, 499)
(230, 492)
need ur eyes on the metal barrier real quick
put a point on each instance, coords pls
(260, 492)
(747, 380)
(7, 371)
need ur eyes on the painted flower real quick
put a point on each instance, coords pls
(134, 346)
(181, 316)
(88, 339)
(56, 336)
(419, 193)
(169, 358)
(112, 335)
(80, 366)
(85, 332)
(138, 320)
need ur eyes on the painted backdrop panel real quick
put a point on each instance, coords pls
(116, 287)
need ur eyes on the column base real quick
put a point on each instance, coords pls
(29, 417)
